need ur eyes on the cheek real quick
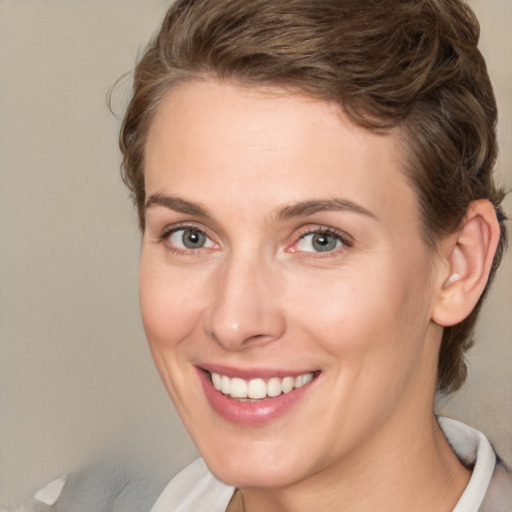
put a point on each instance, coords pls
(373, 330)
(169, 304)
(170, 312)
(363, 310)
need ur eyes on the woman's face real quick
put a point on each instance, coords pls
(282, 247)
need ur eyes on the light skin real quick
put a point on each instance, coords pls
(262, 182)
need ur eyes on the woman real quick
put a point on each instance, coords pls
(320, 226)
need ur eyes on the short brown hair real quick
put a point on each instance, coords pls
(412, 64)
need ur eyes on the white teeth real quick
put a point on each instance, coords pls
(257, 388)
(274, 387)
(301, 380)
(288, 384)
(238, 388)
(217, 381)
(225, 384)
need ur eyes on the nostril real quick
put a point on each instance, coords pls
(237, 339)
(236, 320)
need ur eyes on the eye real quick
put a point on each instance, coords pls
(189, 238)
(320, 241)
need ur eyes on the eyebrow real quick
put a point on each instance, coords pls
(310, 207)
(299, 209)
(177, 204)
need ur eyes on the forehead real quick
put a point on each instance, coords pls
(220, 142)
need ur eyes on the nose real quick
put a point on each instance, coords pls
(244, 309)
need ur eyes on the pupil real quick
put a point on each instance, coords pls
(193, 239)
(323, 242)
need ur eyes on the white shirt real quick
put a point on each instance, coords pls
(195, 489)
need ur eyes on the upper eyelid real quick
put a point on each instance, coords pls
(171, 228)
(300, 232)
(305, 230)
(160, 227)
(343, 235)
(163, 238)
(157, 215)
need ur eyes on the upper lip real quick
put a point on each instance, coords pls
(252, 373)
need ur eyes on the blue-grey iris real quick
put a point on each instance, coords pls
(323, 242)
(193, 239)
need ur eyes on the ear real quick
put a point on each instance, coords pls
(467, 257)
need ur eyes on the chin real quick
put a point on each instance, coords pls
(251, 464)
(248, 476)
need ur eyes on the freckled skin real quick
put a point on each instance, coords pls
(259, 295)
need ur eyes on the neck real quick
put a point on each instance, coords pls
(414, 469)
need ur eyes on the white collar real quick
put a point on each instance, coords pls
(472, 448)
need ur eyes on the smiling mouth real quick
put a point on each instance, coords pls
(258, 389)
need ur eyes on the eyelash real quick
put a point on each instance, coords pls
(346, 240)
(167, 233)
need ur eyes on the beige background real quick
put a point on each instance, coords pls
(76, 380)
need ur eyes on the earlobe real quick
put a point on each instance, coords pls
(468, 254)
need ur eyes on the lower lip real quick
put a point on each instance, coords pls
(250, 413)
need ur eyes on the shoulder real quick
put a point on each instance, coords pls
(102, 487)
(128, 488)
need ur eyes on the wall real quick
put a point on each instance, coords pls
(76, 379)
